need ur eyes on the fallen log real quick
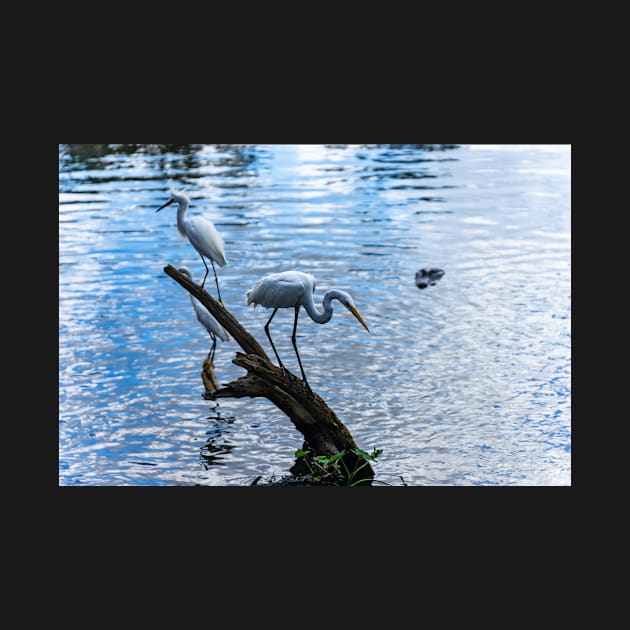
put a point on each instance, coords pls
(324, 434)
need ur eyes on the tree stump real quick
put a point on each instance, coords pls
(324, 434)
(208, 376)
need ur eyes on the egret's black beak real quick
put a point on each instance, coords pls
(168, 203)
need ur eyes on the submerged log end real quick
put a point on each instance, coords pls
(208, 376)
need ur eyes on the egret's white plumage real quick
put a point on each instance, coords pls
(205, 318)
(294, 289)
(201, 233)
(281, 290)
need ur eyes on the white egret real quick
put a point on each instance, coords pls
(294, 289)
(206, 319)
(201, 233)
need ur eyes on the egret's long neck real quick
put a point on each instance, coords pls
(182, 206)
(326, 314)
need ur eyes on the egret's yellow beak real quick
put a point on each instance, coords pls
(168, 203)
(356, 313)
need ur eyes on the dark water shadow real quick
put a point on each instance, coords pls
(216, 445)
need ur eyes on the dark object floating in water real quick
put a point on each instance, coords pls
(426, 277)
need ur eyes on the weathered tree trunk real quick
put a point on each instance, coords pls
(324, 433)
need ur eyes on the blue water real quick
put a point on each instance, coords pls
(467, 382)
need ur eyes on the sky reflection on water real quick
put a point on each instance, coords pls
(463, 383)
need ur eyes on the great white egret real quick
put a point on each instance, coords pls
(294, 289)
(206, 319)
(201, 233)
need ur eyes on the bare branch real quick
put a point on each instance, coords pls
(220, 313)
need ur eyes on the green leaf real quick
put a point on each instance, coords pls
(299, 453)
(334, 458)
(371, 456)
(329, 460)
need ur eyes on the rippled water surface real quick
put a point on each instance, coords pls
(465, 382)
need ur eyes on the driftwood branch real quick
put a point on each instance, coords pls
(324, 433)
(220, 313)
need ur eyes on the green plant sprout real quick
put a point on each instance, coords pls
(332, 470)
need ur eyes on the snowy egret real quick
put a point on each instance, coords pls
(295, 289)
(206, 319)
(201, 233)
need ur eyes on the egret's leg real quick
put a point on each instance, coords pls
(275, 310)
(297, 354)
(216, 280)
(214, 345)
(207, 270)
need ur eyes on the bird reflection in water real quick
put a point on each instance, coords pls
(212, 452)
